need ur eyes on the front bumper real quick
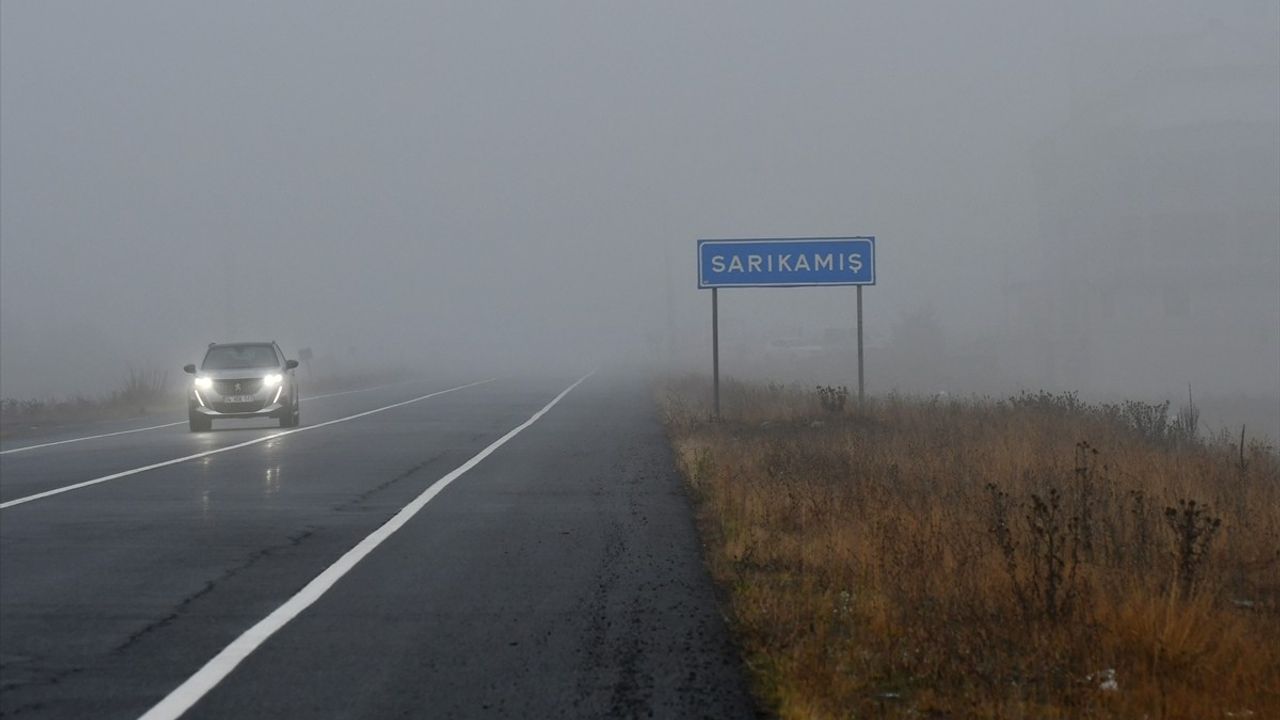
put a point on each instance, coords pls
(274, 410)
(266, 402)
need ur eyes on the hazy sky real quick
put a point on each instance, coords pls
(423, 181)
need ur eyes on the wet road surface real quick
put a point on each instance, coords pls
(558, 575)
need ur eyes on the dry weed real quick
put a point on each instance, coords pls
(1032, 557)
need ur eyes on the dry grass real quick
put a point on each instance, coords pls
(141, 392)
(1035, 557)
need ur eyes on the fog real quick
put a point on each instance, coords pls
(1077, 196)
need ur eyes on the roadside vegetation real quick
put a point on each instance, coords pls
(140, 393)
(1032, 557)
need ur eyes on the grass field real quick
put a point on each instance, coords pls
(1033, 557)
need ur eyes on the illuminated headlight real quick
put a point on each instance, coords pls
(203, 383)
(272, 380)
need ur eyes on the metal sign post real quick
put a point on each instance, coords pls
(715, 348)
(861, 384)
(784, 262)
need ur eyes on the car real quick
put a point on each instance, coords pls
(243, 380)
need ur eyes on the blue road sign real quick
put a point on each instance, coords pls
(787, 262)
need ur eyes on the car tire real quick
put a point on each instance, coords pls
(292, 418)
(198, 423)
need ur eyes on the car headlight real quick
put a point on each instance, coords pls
(272, 380)
(203, 383)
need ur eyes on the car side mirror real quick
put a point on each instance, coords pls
(290, 364)
(191, 369)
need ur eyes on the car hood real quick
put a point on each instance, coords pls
(239, 374)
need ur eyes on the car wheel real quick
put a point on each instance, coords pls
(291, 418)
(199, 423)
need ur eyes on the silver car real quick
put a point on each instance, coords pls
(243, 380)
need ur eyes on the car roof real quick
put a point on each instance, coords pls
(247, 342)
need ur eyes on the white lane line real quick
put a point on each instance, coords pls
(265, 438)
(206, 678)
(361, 390)
(24, 448)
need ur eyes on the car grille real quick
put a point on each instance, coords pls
(248, 386)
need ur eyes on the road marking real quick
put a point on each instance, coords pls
(265, 438)
(358, 390)
(215, 670)
(24, 448)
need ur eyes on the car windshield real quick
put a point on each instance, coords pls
(237, 357)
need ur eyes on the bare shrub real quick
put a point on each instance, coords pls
(1193, 529)
(832, 399)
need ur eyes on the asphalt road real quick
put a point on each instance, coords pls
(557, 575)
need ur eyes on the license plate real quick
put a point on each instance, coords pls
(238, 398)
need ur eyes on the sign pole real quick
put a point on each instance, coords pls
(715, 347)
(861, 385)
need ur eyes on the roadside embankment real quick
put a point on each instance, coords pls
(1029, 557)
